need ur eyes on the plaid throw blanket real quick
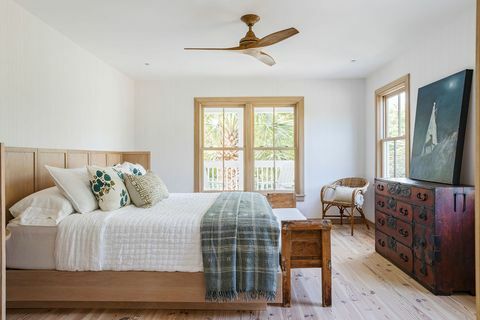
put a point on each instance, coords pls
(240, 238)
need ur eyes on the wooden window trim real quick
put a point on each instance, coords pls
(393, 88)
(248, 103)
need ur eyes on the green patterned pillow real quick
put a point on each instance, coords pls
(108, 188)
(146, 190)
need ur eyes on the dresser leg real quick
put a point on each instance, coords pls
(326, 270)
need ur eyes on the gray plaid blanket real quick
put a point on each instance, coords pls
(240, 238)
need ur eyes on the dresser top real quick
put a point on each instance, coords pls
(423, 184)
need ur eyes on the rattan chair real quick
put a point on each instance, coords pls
(347, 199)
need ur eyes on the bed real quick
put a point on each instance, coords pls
(43, 279)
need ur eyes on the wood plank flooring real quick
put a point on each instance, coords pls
(364, 286)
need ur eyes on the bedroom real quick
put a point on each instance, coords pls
(100, 83)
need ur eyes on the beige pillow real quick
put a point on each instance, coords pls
(147, 190)
(108, 188)
(343, 194)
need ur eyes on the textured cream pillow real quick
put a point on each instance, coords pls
(108, 188)
(343, 194)
(146, 190)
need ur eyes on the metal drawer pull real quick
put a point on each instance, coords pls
(421, 243)
(381, 221)
(381, 204)
(404, 211)
(423, 214)
(381, 242)
(392, 203)
(403, 257)
(380, 187)
(423, 270)
(422, 196)
(403, 232)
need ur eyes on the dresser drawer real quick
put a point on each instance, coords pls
(403, 211)
(401, 255)
(381, 221)
(386, 204)
(394, 207)
(398, 229)
(423, 215)
(381, 244)
(422, 197)
(381, 188)
(393, 250)
(424, 273)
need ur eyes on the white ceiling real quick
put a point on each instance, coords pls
(129, 33)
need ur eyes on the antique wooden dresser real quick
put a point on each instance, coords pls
(427, 230)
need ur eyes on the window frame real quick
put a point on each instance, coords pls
(249, 103)
(381, 137)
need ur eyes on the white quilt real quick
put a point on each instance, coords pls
(165, 237)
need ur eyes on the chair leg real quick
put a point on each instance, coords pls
(363, 217)
(352, 219)
(323, 211)
(341, 216)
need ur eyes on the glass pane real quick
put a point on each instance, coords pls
(400, 163)
(212, 170)
(394, 162)
(233, 130)
(389, 159)
(284, 127)
(213, 127)
(264, 170)
(233, 170)
(392, 119)
(263, 128)
(402, 115)
(285, 170)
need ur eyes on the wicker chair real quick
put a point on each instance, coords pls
(347, 199)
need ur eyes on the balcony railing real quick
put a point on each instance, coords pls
(266, 177)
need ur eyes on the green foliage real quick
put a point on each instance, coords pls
(222, 129)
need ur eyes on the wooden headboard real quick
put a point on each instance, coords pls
(25, 171)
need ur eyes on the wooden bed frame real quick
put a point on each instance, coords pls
(25, 174)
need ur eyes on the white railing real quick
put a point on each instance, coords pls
(265, 175)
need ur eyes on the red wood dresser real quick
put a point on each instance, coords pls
(427, 230)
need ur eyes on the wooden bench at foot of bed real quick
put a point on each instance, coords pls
(116, 289)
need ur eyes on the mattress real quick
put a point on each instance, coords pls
(165, 237)
(31, 247)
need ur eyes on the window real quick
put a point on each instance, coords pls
(393, 142)
(249, 144)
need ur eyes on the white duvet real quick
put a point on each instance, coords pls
(163, 238)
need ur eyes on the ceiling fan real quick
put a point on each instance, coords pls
(251, 45)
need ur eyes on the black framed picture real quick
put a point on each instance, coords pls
(440, 124)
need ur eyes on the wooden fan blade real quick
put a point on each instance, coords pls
(262, 56)
(274, 38)
(232, 48)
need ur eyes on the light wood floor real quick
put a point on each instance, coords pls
(364, 286)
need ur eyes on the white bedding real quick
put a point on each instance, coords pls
(165, 237)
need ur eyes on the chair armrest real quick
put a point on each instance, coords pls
(324, 189)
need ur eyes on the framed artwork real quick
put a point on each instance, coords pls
(440, 124)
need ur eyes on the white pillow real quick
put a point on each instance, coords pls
(75, 186)
(344, 194)
(108, 188)
(129, 168)
(43, 208)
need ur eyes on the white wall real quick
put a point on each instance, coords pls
(333, 126)
(449, 48)
(54, 93)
